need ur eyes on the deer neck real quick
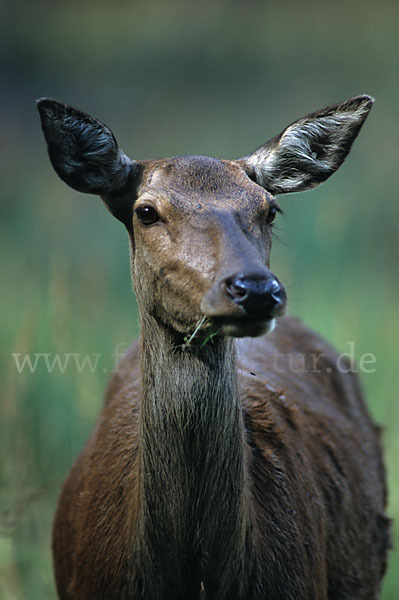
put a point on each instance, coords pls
(193, 508)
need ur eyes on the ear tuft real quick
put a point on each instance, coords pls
(82, 150)
(309, 150)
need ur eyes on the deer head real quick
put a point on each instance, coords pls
(200, 227)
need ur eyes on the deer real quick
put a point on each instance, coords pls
(214, 470)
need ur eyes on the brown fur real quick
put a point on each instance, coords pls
(217, 469)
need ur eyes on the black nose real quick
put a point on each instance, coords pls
(256, 293)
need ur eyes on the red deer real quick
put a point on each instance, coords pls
(216, 470)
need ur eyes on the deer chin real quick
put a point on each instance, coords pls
(241, 327)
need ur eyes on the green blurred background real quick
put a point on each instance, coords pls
(216, 78)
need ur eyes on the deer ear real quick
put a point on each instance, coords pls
(85, 154)
(307, 152)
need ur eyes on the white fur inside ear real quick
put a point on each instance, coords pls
(308, 151)
(297, 144)
(298, 138)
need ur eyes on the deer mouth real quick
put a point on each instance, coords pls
(243, 326)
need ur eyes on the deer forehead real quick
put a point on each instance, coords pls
(193, 183)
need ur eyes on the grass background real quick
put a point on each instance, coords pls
(216, 78)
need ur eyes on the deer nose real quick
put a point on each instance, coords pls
(255, 293)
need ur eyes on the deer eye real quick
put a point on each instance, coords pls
(147, 215)
(271, 215)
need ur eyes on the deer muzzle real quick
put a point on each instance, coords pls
(245, 304)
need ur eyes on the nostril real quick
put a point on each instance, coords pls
(275, 291)
(237, 289)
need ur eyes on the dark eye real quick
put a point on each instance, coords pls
(271, 215)
(147, 215)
